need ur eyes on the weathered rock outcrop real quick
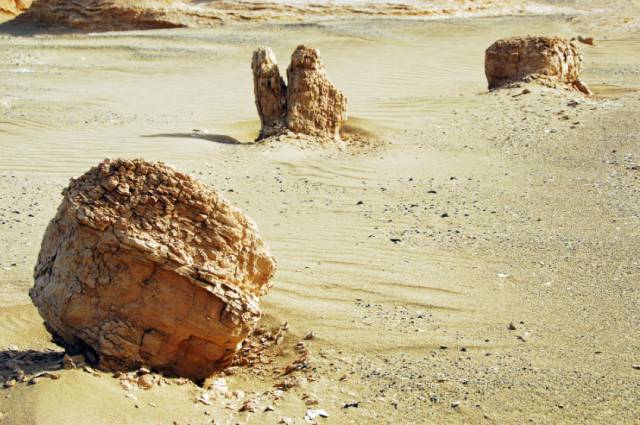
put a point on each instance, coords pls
(310, 104)
(270, 92)
(552, 59)
(143, 265)
(109, 15)
(314, 105)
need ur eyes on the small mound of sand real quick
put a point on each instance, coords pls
(143, 265)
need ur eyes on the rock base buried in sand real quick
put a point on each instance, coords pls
(310, 104)
(550, 59)
(143, 265)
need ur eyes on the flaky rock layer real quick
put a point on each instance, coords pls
(519, 58)
(12, 8)
(143, 265)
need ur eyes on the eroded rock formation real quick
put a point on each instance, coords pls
(270, 92)
(143, 265)
(552, 59)
(314, 105)
(310, 104)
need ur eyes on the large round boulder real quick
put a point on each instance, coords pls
(144, 266)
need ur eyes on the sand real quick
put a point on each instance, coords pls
(410, 258)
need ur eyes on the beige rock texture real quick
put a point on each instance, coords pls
(314, 105)
(270, 93)
(10, 8)
(550, 59)
(143, 265)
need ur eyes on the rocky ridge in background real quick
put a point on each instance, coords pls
(118, 15)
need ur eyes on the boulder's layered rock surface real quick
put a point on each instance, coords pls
(553, 59)
(270, 93)
(143, 265)
(314, 105)
(310, 104)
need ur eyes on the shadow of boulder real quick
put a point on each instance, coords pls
(216, 138)
(20, 365)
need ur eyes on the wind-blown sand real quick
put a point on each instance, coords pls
(409, 259)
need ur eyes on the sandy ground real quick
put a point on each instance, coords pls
(410, 260)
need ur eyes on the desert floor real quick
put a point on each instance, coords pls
(409, 258)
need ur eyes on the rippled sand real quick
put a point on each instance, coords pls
(533, 220)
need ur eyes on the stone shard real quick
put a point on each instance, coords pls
(314, 105)
(551, 59)
(143, 265)
(270, 93)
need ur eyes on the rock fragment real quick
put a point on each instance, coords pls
(134, 277)
(549, 59)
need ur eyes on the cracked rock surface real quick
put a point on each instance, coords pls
(310, 104)
(550, 59)
(143, 265)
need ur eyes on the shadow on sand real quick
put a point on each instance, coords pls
(217, 138)
(21, 365)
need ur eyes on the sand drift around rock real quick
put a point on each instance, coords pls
(310, 104)
(550, 60)
(143, 265)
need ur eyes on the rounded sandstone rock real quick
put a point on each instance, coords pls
(143, 265)
(517, 58)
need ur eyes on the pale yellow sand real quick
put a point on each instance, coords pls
(542, 225)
